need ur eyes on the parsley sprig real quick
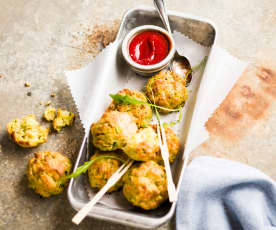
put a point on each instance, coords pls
(198, 66)
(83, 168)
(173, 123)
(128, 100)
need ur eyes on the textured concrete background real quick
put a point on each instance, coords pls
(36, 40)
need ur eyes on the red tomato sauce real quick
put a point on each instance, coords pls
(149, 47)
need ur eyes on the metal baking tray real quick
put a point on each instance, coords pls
(203, 32)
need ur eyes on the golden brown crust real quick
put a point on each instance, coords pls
(101, 170)
(46, 172)
(27, 132)
(49, 114)
(142, 113)
(112, 130)
(168, 90)
(143, 146)
(145, 185)
(173, 144)
(64, 118)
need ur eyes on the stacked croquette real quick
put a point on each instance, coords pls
(126, 131)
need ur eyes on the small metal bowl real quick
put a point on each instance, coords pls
(147, 70)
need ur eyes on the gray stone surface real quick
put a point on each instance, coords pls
(35, 41)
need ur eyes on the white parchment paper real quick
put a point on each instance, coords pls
(108, 73)
(221, 73)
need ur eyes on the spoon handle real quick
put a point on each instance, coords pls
(161, 8)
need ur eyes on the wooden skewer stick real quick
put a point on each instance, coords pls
(112, 180)
(165, 156)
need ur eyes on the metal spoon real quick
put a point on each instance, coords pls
(180, 64)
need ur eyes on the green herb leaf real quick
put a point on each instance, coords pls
(128, 100)
(201, 64)
(198, 66)
(157, 116)
(144, 126)
(83, 168)
(125, 99)
(172, 123)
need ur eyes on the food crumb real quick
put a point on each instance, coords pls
(27, 84)
(63, 118)
(1, 76)
(29, 94)
(52, 94)
(49, 114)
(27, 132)
(48, 103)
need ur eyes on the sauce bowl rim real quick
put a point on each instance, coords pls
(138, 30)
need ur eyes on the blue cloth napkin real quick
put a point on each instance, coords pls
(218, 194)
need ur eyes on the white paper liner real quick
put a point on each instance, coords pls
(85, 84)
(221, 73)
(108, 73)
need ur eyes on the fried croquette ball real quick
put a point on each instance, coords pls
(142, 113)
(168, 90)
(145, 185)
(46, 173)
(112, 130)
(63, 118)
(49, 114)
(27, 132)
(173, 144)
(143, 146)
(102, 169)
